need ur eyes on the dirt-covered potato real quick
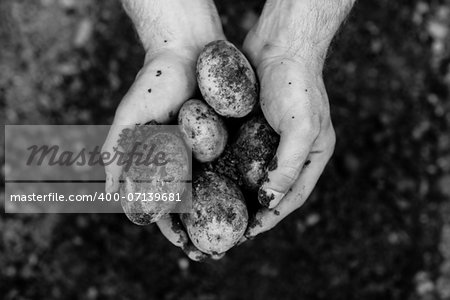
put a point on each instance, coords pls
(254, 149)
(165, 174)
(203, 130)
(226, 79)
(219, 216)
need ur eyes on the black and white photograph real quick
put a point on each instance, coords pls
(225, 149)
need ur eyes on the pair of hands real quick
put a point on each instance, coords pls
(292, 96)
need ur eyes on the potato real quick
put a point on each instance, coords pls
(254, 149)
(226, 79)
(219, 218)
(203, 130)
(145, 179)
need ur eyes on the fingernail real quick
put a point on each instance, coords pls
(217, 256)
(277, 198)
(197, 256)
(269, 198)
(242, 240)
(193, 253)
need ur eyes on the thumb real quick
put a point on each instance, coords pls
(295, 145)
(160, 88)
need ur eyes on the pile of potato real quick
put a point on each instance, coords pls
(232, 145)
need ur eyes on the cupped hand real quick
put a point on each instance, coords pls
(172, 41)
(295, 103)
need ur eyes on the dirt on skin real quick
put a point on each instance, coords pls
(264, 198)
(140, 132)
(255, 221)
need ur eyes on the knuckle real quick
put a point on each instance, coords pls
(193, 254)
(296, 199)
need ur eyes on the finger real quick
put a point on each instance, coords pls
(252, 46)
(266, 218)
(111, 145)
(159, 90)
(194, 254)
(297, 138)
(171, 227)
(217, 256)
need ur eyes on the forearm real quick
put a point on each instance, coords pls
(164, 24)
(304, 28)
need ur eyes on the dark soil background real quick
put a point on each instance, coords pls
(376, 227)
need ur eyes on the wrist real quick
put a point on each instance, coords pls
(263, 52)
(186, 50)
(184, 55)
(285, 65)
(187, 41)
(170, 24)
(298, 29)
